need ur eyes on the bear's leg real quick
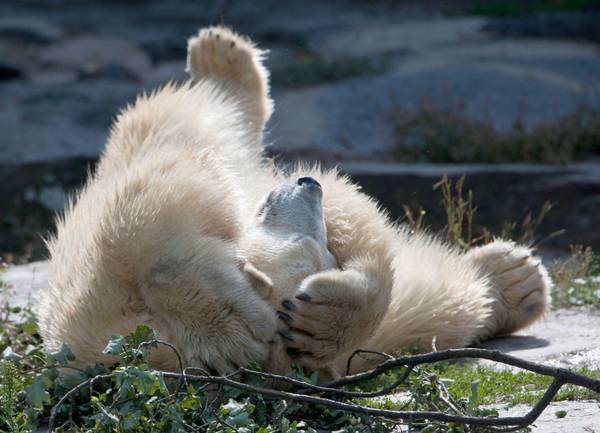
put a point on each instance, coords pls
(337, 311)
(210, 310)
(439, 300)
(235, 63)
(520, 285)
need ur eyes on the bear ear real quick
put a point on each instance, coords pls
(260, 281)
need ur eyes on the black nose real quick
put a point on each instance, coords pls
(309, 181)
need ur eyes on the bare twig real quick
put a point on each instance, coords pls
(305, 392)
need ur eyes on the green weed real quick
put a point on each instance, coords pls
(434, 133)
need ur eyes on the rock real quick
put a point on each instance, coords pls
(50, 77)
(26, 282)
(548, 343)
(8, 72)
(501, 81)
(579, 25)
(34, 30)
(165, 72)
(111, 71)
(51, 122)
(53, 198)
(581, 416)
(88, 54)
(166, 49)
(404, 37)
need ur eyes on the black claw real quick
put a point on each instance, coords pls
(284, 316)
(288, 305)
(218, 36)
(303, 297)
(232, 45)
(285, 335)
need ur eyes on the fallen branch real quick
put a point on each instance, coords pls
(304, 392)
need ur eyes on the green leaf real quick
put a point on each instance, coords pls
(560, 413)
(10, 355)
(239, 420)
(142, 334)
(30, 327)
(62, 356)
(36, 392)
(115, 345)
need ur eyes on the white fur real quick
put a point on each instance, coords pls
(166, 232)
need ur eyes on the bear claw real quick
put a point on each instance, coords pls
(288, 305)
(284, 316)
(303, 297)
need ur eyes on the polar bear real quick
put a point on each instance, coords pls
(186, 227)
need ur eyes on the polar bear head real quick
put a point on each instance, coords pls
(287, 240)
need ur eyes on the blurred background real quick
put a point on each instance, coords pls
(396, 93)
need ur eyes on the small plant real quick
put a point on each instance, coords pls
(460, 218)
(459, 212)
(131, 397)
(576, 279)
(415, 220)
(435, 133)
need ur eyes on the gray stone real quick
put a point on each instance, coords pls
(53, 198)
(29, 29)
(92, 53)
(582, 416)
(50, 122)
(25, 282)
(565, 338)
(165, 72)
(9, 72)
(579, 25)
(52, 77)
(535, 81)
(404, 37)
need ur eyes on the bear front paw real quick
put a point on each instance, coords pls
(328, 318)
(519, 282)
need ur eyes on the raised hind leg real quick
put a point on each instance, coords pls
(235, 63)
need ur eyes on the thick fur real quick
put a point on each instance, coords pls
(166, 233)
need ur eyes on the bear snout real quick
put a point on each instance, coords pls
(308, 181)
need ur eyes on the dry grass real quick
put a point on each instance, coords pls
(576, 279)
(460, 218)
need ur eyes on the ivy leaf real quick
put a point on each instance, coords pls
(10, 355)
(231, 408)
(240, 420)
(62, 356)
(36, 392)
(142, 334)
(115, 345)
(73, 379)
